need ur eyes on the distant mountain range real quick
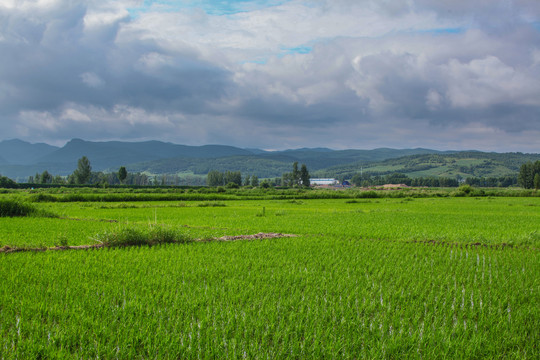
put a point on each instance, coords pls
(20, 159)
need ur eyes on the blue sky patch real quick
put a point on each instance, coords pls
(303, 49)
(444, 31)
(212, 7)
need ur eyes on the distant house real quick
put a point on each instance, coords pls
(324, 181)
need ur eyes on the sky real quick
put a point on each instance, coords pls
(273, 74)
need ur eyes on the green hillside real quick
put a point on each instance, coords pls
(248, 165)
(464, 164)
(19, 160)
(271, 164)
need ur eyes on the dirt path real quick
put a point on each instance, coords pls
(13, 249)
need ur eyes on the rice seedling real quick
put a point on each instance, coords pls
(450, 277)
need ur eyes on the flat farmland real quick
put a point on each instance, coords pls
(492, 221)
(363, 278)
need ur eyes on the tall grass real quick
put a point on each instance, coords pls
(13, 208)
(213, 194)
(137, 236)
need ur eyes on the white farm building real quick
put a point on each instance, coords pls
(326, 181)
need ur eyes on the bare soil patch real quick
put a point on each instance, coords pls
(13, 249)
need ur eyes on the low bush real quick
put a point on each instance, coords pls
(368, 195)
(132, 236)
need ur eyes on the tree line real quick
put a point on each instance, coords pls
(83, 175)
(367, 179)
(528, 177)
(297, 177)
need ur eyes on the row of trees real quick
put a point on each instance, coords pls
(529, 175)
(501, 181)
(218, 178)
(84, 175)
(366, 180)
(298, 177)
(81, 175)
(234, 179)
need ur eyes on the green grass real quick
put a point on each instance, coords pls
(360, 280)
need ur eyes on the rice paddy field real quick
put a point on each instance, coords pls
(426, 278)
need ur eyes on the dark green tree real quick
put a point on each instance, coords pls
(83, 172)
(527, 173)
(6, 182)
(286, 179)
(398, 178)
(58, 180)
(537, 182)
(46, 178)
(304, 175)
(122, 174)
(214, 178)
(233, 177)
(254, 180)
(295, 174)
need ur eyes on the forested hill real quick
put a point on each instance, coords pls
(23, 153)
(464, 164)
(19, 160)
(22, 159)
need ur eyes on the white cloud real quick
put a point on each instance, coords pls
(488, 81)
(433, 99)
(91, 79)
(75, 115)
(350, 74)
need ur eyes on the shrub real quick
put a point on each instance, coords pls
(232, 185)
(153, 235)
(368, 195)
(43, 198)
(7, 183)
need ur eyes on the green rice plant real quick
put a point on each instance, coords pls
(308, 297)
(211, 204)
(62, 240)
